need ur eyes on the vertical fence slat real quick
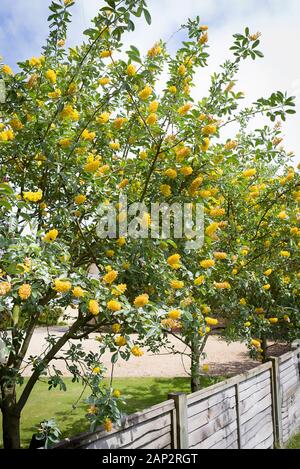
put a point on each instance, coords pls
(276, 403)
(180, 400)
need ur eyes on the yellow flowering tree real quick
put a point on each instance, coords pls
(82, 127)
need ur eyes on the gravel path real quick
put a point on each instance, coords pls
(222, 358)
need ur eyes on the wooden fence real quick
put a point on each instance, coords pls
(259, 409)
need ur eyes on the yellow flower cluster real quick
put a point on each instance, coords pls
(69, 113)
(174, 314)
(119, 289)
(110, 277)
(62, 286)
(33, 196)
(93, 307)
(145, 93)
(174, 261)
(114, 305)
(24, 291)
(141, 300)
(165, 190)
(176, 284)
(103, 118)
(207, 263)
(92, 164)
(5, 287)
(51, 76)
(220, 255)
(136, 351)
(50, 236)
(183, 110)
(6, 135)
(120, 341)
(78, 292)
(80, 199)
(154, 51)
(211, 321)
(222, 285)
(107, 424)
(131, 70)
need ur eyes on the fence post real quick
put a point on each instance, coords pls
(238, 416)
(180, 400)
(276, 403)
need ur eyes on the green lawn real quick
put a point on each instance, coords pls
(140, 393)
(294, 443)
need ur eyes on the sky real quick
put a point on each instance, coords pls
(23, 28)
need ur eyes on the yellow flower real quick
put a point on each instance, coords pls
(5, 287)
(285, 254)
(211, 321)
(105, 53)
(282, 215)
(123, 183)
(92, 166)
(199, 280)
(203, 38)
(65, 142)
(207, 264)
(153, 106)
(120, 341)
(205, 145)
(96, 370)
(231, 145)
(165, 190)
(151, 119)
(35, 62)
(141, 300)
(205, 368)
(121, 242)
(222, 285)
(103, 118)
(174, 314)
(268, 272)
(51, 76)
(62, 286)
(119, 289)
(172, 89)
(181, 70)
(7, 70)
(89, 136)
(247, 324)
(174, 260)
(273, 320)
(61, 43)
(131, 70)
(217, 212)
(143, 155)
(80, 199)
(107, 424)
(243, 301)
(267, 287)
(154, 51)
(16, 124)
(115, 146)
(256, 343)
(114, 305)
(195, 185)
(209, 129)
(104, 81)
(33, 196)
(220, 255)
(186, 170)
(93, 307)
(183, 110)
(136, 351)
(117, 393)
(145, 93)
(69, 113)
(55, 94)
(78, 292)
(116, 328)
(50, 236)
(110, 253)
(176, 284)
(248, 173)
(259, 310)
(24, 291)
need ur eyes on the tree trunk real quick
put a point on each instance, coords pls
(10, 419)
(195, 366)
(264, 346)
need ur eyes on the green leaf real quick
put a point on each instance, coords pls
(147, 16)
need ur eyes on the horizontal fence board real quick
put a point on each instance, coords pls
(255, 381)
(265, 403)
(198, 421)
(256, 422)
(217, 437)
(257, 393)
(213, 427)
(209, 402)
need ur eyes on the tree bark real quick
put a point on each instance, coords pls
(195, 366)
(10, 419)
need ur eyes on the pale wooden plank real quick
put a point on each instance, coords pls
(255, 380)
(256, 393)
(256, 422)
(203, 404)
(213, 427)
(257, 408)
(198, 420)
(216, 437)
